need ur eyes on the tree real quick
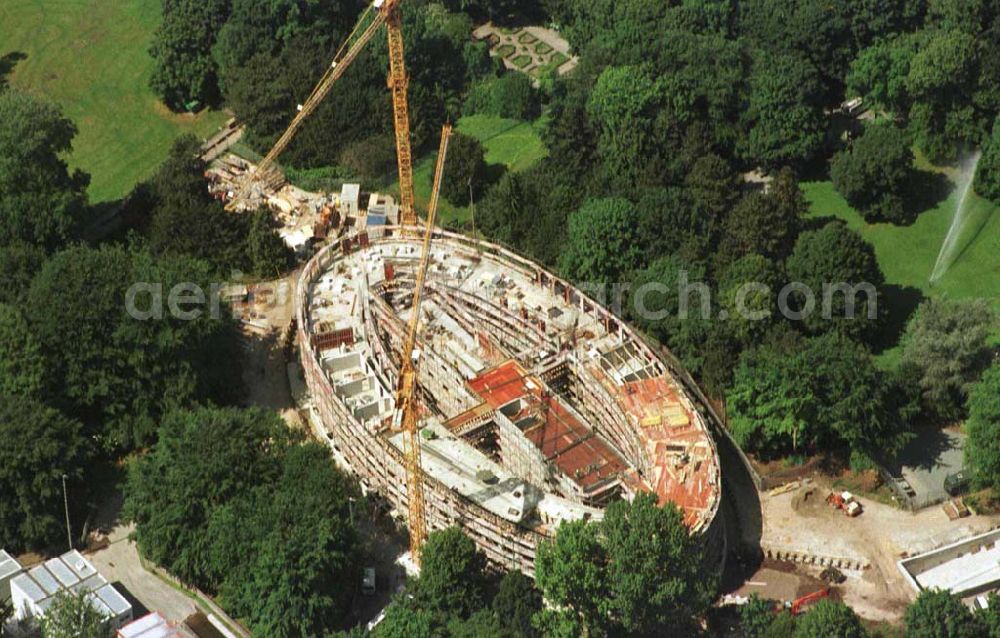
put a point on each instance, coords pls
(464, 170)
(873, 172)
(371, 159)
(529, 210)
(182, 47)
(765, 223)
(405, 620)
(569, 570)
(511, 95)
(623, 107)
(452, 582)
(941, 81)
(269, 256)
(286, 574)
(747, 290)
(784, 118)
(19, 261)
(23, 369)
(40, 446)
(793, 393)
(756, 616)
(948, 343)
(202, 460)
(73, 616)
(602, 243)
(186, 220)
(879, 73)
(830, 619)
(990, 617)
(114, 362)
(939, 614)
(639, 572)
(516, 603)
(668, 299)
(41, 202)
(656, 571)
(842, 276)
(982, 451)
(987, 177)
(819, 32)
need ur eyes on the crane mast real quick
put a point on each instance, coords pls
(399, 83)
(382, 12)
(406, 390)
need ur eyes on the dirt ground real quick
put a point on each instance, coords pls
(265, 370)
(802, 521)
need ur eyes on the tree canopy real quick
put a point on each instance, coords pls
(940, 614)
(636, 573)
(230, 501)
(41, 201)
(873, 173)
(602, 243)
(40, 447)
(982, 451)
(794, 393)
(947, 343)
(114, 369)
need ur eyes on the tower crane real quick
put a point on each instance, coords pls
(407, 410)
(381, 12)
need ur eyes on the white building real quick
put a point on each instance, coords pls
(350, 199)
(153, 626)
(34, 591)
(9, 568)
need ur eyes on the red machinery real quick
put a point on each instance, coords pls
(845, 501)
(795, 607)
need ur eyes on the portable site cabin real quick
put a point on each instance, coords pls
(35, 590)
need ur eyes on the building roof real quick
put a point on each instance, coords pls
(8, 565)
(153, 626)
(74, 573)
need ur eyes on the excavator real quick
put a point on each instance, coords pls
(406, 416)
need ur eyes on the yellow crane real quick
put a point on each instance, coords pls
(406, 388)
(381, 12)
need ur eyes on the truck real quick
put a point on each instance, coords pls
(846, 502)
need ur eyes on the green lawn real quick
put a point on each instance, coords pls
(91, 57)
(907, 253)
(514, 144)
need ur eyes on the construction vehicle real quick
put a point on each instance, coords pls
(381, 12)
(407, 409)
(795, 607)
(845, 502)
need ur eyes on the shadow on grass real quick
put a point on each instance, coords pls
(899, 302)
(925, 190)
(7, 63)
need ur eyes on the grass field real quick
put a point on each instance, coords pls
(514, 144)
(907, 253)
(91, 57)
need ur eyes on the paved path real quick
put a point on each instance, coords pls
(119, 563)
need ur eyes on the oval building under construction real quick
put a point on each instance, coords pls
(539, 406)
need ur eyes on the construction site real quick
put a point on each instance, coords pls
(538, 406)
(463, 384)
